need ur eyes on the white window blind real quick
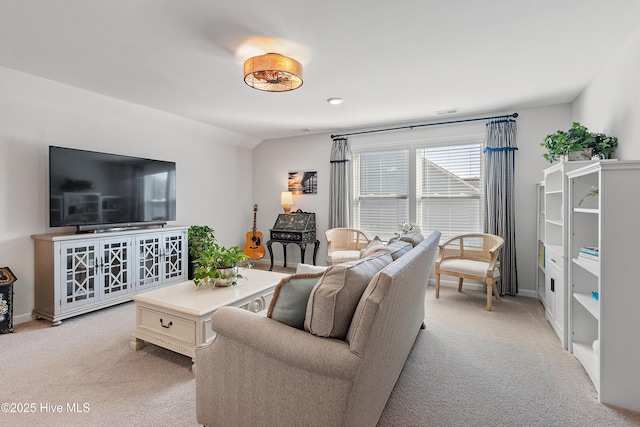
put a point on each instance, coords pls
(449, 189)
(381, 191)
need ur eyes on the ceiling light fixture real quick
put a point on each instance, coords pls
(335, 101)
(273, 72)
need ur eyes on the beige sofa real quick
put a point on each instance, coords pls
(261, 372)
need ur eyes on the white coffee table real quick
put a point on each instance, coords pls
(178, 317)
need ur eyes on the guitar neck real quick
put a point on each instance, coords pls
(255, 213)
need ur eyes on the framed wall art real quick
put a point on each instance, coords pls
(303, 182)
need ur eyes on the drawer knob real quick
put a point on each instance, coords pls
(167, 325)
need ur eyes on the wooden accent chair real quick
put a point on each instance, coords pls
(345, 244)
(471, 256)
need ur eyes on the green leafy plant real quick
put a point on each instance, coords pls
(201, 237)
(217, 264)
(603, 145)
(578, 138)
(591, 192)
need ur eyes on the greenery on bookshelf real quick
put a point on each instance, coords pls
(591, 192)
(578, 138)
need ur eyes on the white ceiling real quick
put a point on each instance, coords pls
(392, 62)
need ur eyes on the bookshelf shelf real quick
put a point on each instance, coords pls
(588, 302)
(592, 267)
(586, 210)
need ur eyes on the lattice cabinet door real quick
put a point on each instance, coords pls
(80, 284)
(174, 261)
(149, 264)
(115, 267)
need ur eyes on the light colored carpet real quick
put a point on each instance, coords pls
(469, 367)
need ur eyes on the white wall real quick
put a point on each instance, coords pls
(214, 174)
(611, 103)
(274, 158)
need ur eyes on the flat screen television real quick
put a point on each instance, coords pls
(96, 191)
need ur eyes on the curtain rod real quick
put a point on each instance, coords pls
(508, 116)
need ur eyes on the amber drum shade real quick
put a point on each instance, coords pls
(273, 72)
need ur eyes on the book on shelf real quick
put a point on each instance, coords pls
(589, 250)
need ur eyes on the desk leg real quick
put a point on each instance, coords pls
(303, 248)
(315, 250)
(284, 249)
(270, 254)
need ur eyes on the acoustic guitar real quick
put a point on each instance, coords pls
(254, 248)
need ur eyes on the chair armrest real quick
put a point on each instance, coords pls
(325, 356)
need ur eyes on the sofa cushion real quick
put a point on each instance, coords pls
(399, 248)
(290, 297)
(413, 237)
(309, 268)
(334, 298)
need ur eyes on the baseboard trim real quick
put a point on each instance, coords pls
(22, 318)
(477, 286)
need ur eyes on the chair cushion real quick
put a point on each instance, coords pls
(290, 297)
(334, 298)
(399, 248)
(338, 257)
(413, 237)
(309, 268)
(467, 266)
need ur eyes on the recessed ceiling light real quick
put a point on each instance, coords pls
(335, 101)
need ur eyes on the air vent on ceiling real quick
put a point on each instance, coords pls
(447, 112)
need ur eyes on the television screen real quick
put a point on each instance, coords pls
(88, 188)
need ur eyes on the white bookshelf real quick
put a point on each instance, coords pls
(556, 204)
(540, 249)
(608, 221)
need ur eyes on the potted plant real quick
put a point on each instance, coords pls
(604, 145)
(201, 237)
(218, 265)
(578, 143)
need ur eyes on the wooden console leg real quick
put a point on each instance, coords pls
(136, 344)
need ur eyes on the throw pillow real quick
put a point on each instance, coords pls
(335, 297)
(399, 248)
(413, 237)
(310, 269)
(376, 245)
(290, 297)
(393, 239)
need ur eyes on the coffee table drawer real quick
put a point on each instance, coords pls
(169, 325)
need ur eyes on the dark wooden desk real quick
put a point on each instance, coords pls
(301, 244)
(297, 227)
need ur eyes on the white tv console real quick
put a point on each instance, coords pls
(80, 273)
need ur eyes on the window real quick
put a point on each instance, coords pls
(449, 189)
(381, 190)
(446, 194)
